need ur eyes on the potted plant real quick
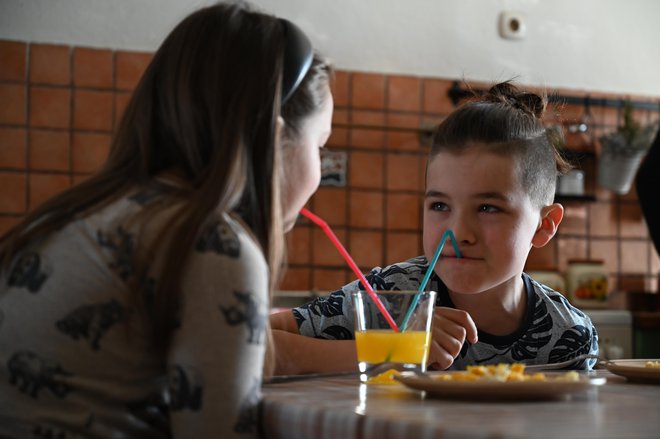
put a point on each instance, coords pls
(623, 151)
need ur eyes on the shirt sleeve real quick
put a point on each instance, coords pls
(216, 357)
(572, 332)
(329, 317)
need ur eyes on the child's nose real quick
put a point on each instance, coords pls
(463, 231)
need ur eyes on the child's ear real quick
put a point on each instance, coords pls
(551, 216)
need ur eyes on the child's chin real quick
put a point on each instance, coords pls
(465, 286)
(463, 289)
(465, 292)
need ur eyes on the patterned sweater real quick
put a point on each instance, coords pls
(76, 358)
(552, 330)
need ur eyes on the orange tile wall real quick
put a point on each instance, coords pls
(59, 106)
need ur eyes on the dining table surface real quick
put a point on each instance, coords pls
(342, 407)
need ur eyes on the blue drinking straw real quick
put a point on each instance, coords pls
(448, 234)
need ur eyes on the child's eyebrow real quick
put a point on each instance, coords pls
(492, 195)
(480, 195)
(434, 194)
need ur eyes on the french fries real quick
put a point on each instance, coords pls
(493, 372)
(503, 373)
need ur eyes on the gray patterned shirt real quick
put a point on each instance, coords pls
(76, 358)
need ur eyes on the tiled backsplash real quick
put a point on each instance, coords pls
(59, 106)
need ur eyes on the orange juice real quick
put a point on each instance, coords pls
(378, 344)
(383, 345)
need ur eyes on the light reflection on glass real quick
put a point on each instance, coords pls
(362, 406)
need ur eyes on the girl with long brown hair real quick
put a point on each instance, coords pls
(135, 304)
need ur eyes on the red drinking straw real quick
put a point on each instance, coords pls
(351, 263)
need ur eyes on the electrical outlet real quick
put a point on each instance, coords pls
(512, 25)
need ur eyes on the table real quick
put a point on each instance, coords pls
(343, 408)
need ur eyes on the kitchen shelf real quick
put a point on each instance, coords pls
(575, 198)
(577, 158)
(576, 154)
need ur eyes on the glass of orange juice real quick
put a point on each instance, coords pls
(378, 343)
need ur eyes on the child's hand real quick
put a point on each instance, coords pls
(450, 329)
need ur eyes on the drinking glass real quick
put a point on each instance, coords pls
(379, 347)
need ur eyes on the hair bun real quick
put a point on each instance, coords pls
(507, 93)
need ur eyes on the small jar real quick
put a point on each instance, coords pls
(586, 280)
(572, 183)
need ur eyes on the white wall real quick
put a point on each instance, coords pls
(607, 45)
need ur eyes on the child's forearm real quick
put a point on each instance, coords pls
(297, 354)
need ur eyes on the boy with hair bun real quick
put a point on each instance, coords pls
(491, 179)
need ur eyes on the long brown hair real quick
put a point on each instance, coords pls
(507, 121)
(206, 107)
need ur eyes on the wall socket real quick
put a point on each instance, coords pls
(512, 25)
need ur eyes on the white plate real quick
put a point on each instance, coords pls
(635, 370)
(496, 390)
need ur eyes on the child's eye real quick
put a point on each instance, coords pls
(488, 208)
(439, 206)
